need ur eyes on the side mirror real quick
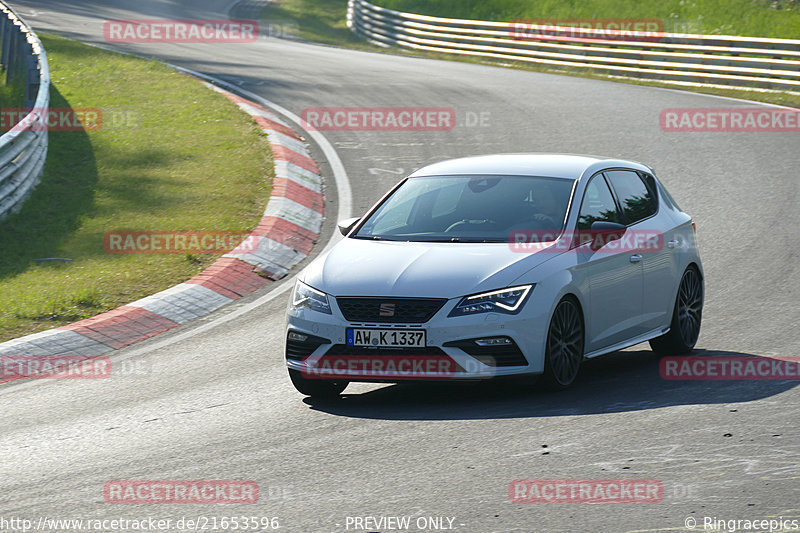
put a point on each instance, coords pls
(603, 233)
(599, 234)
(347, 224)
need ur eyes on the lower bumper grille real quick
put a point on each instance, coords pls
(344, 349)
(345, 352)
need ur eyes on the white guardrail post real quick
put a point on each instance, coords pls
(711, 60)
(23, 148)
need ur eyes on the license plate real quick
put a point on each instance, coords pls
(394, 338)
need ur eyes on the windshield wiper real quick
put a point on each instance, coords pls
(435, 239)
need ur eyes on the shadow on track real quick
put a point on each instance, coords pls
(618, 382)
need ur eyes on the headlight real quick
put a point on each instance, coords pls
(509, 301)
(310, 298)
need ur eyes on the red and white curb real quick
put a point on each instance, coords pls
(285, 235)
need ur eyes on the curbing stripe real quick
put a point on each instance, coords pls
(295, 213)
(183, 302)
(301, 160)
(286, 188)
(294, 144)
(122, 326)
(299, 175)
(270, 125)
(230, 277)
(254, 111)
(287, 233)
(271, 256)
(53, 342)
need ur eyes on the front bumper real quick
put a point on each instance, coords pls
(450, 352)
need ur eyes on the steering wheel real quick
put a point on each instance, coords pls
(465, 222)
(542, 218)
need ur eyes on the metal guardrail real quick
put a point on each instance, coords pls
(23, 148)
(714, 60)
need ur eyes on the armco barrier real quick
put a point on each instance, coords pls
(712, 60)
(23, 149)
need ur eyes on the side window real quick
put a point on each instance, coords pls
(635, 198)
(665, 195)
(598, 204)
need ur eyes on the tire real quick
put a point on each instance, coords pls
(564, 348)
(316, 388)
(686, 317)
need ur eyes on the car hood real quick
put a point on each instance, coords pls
(357, 267)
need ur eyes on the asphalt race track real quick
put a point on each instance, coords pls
(216, 403)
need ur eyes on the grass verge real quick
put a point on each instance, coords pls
(12, 95)
(170, 155)
(324, 21)
(753, 18)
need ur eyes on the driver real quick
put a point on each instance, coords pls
(547, 207)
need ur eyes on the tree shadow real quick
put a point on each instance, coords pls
(53, 210)
(619, 382)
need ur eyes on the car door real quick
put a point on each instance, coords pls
(639, 204)
(613, 273)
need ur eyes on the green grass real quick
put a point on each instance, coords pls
(754, 18)
(324, 21)
(12, 93)
(171, 155)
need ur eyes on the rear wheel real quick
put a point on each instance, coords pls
(316, 388)
(564, 350)
(686, 316)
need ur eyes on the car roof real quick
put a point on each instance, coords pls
(571, 166)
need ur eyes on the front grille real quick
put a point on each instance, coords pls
(301, 349)
(390, 310)
(502, 355)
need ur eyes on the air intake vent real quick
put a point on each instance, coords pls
(301, 345)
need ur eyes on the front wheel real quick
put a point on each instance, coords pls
(564, 349)
(316, 388)
(686, 316)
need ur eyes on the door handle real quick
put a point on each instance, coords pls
(635, 258)
(672, 244)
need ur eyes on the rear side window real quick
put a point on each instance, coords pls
(667, 197)
(598, 204)
(636, 199)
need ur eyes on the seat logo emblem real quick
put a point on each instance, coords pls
(387, 310)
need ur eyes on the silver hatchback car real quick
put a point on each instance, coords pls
(498, 265)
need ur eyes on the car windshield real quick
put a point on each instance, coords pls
(469, 208)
